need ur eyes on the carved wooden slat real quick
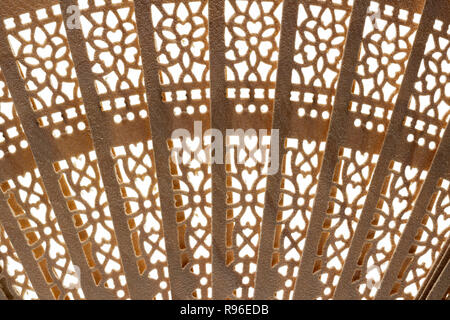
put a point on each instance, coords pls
(367, 91)
(312, 42)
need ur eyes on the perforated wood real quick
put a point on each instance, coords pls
(441, 287)
(313, 36)
(99, 201)
(425, 238)
(368, 88)
(244, 41)
(57, 121)
(118, 115)
(175, 49)
(27, 215)
(14, 281)
(419, 118)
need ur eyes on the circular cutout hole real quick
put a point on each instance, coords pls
(421, 142)
(143, 114)
(117, 118)
(203, 109)
(177, 111)
(81, 126)
(56, 133)
(410, 137)
(301, 112)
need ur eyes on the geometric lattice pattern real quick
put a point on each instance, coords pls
(326, 176)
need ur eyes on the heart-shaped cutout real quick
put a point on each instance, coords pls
(308, 147)
(254, 27)
(90, 196)
(249, 178)
(44, 52)
(25, 180)
(114, 36)
(303, 182)
(183, 28)
(137, 149)
(143, 185)
(352, 192)
(324, 33)
(40, 213)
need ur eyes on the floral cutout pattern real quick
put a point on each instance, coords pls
(252, 34)
(400, 190)
(39, 43)
(181, 40)
(429, 107)
(301, 168)
(12, 137)
(12, 268)
(252, 44)
(351, 181)
(83, 189)
(192, 195)
(384, 53)
(319, 47)
(428, 244)
(109, 28)
(30, 206)
(137, 176)
(246, 186)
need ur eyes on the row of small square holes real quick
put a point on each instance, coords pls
(25, 18)
(57, 117)
(120, 103)
(181, 95)
(308, 97)
(368, 109)
(84, 4)
(389, 11)
(420, 125)
(244, 93)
